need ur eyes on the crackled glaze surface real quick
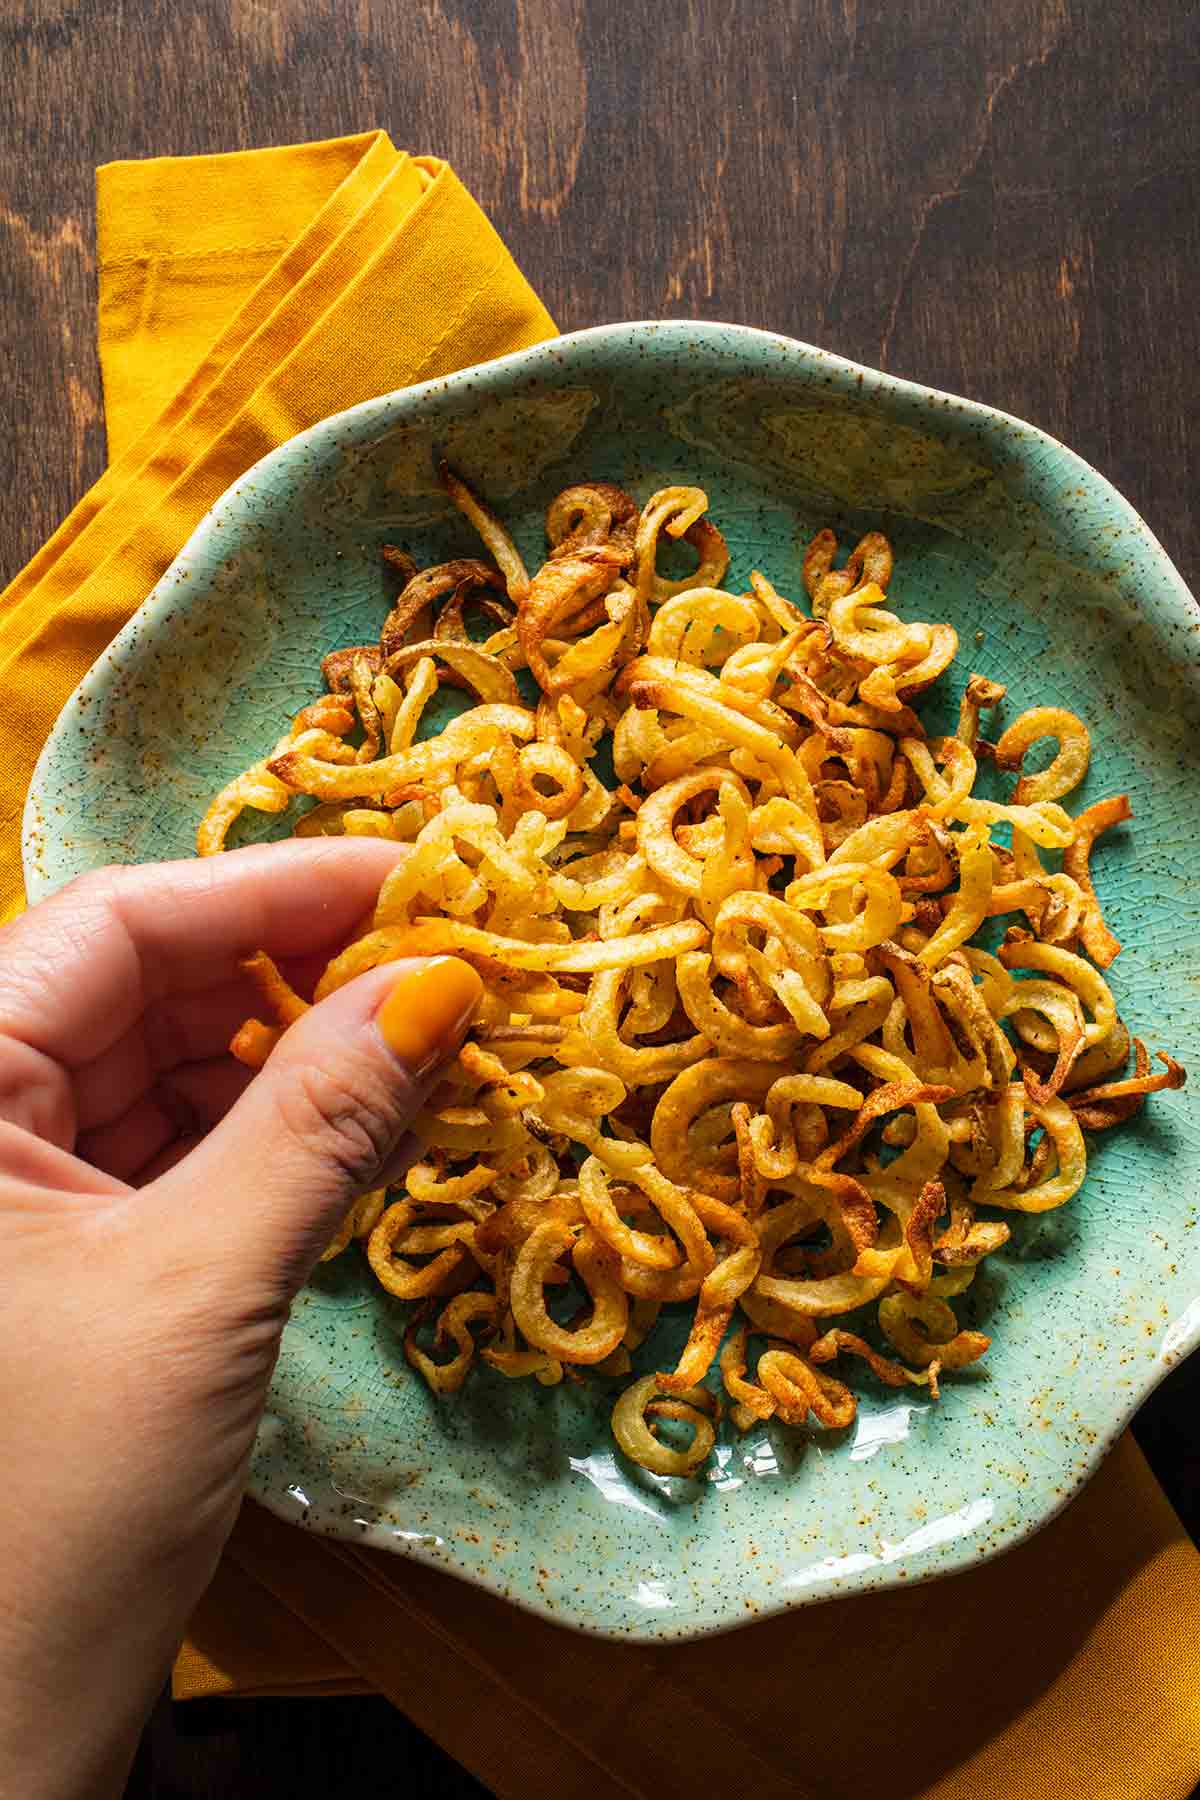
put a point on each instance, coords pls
(1056, 588)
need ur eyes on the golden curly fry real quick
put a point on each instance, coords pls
(639, 1439)
(491, 531)
(1097, 939)
(597, 1268)
(1069, 765)
(736, 1052)
(359, 1222)
(924, 1330)
(316, 729)
(798, 1389)
(454, 1323)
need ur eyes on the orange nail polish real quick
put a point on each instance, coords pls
(426, 1010)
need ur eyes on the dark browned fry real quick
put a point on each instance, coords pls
(594, 512)
(399, 561)
(1113, 1102)
(411, 616)
(558, 595)
(818, 560)
(1099, 942)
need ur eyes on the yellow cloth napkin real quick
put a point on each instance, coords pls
(243, 297)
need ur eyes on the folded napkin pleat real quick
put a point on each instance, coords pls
(391, 275)
(241, 299)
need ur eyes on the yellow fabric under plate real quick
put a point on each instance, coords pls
(1066, 1670)
(242, 298)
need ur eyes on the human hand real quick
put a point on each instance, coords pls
(158, 1211)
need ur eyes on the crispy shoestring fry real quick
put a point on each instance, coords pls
(454, 1324)
(1070, 764)
(1099, 942)
(798, 1388)
(1112, 1103)
(925, 1330)
(640, 1440)
(359, 1222)
(980, 695)
(263, 791)
(892, 1374)
(736, 1051)
(490, 530)
(597, 1267)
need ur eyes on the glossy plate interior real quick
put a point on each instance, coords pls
(1054, 587)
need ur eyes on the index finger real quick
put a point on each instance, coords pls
(78, 970)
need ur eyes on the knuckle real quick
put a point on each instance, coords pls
(43, 946)
(85, 914)
(343, 1118)
(94, 889)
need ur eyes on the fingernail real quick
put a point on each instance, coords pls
(424, 1015)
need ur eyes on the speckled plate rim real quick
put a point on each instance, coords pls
(947, 1545)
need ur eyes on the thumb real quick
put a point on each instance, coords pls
(319, 1124)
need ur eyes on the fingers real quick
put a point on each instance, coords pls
(187, 1102)
(192, 921)
(108, 1086)
(174, 1032)
(125, 1145)
(326, 1115)
(35, 1093)
(34, 1163)
(81, 968)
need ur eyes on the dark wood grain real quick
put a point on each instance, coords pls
(994, 199)
(997, 200)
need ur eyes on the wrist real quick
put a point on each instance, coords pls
(69, 1728)
(82, 1660)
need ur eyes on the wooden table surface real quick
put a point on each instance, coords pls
(995, 199)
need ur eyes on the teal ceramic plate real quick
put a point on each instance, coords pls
(1055, 587)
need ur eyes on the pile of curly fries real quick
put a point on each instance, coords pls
(737, 1050)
